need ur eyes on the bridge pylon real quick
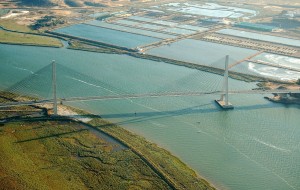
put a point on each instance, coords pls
(224, 102)
(54, 88)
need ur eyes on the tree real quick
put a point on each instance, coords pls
(298, 81)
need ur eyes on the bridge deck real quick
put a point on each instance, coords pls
(245, 59)
(148, 95)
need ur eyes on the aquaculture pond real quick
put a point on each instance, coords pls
(106, 35)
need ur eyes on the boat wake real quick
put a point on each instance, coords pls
(23, 69)
(90, 84)
(271, 145)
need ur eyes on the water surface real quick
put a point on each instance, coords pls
(105, 35)
(130, 29)
(201, 52)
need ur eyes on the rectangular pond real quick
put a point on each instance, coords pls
(201, 52)
(192, 27)
(151, 26)
(262, 37)
(279, 60)
(109, 36)
(179, 31)
(140, 24)
(165, 23)
(143, 19)
(127, 22)
(210, 9)
(130, 29)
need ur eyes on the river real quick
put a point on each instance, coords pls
(254, 146)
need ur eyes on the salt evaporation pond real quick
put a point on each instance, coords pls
(262, 37)
(267, 71)
(192, 27)
(140, 25)
(165, 23)
(128, 22)
(140, 18)
(151, 26)
(278, 60)
(108, 36)
(254, 146)
(210, 9)
(201, 52)
(179, 31)
(130, 29)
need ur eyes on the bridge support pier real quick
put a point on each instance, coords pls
(223, 102)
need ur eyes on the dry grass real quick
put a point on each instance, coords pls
(64, 155)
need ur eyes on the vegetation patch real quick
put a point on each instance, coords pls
(28, 39)
(103, 17)
(11, 24)
(47, 21)
(85, 46)
(4, 11)
(64, 155)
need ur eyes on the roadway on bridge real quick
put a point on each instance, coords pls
(147, 95)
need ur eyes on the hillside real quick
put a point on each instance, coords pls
(70, 3)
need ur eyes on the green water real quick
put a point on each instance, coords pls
(254, 146)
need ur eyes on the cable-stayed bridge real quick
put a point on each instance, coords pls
(149, 95)
(31, 87)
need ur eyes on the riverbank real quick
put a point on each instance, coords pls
(284, 100)
(16, 34)
(167, 171)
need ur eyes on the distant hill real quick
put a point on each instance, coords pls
(70, 3)
(75, 3)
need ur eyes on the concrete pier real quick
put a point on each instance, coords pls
(223, 104)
